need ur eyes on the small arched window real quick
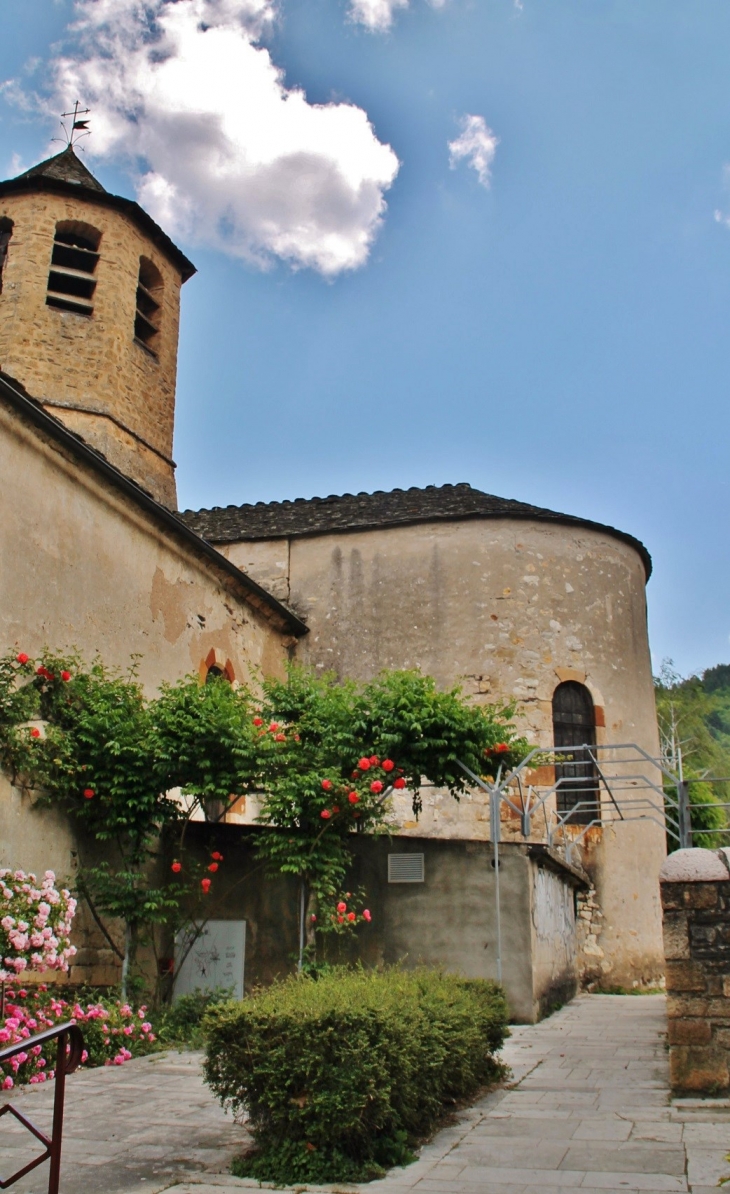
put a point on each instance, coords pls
(216, 666)
(149, 305)
(574, 725)
(6, 231)
(71, 280)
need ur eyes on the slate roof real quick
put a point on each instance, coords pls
(66, 174)
(370, 511)
(66, 167)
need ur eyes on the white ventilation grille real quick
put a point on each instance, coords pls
(405, 868)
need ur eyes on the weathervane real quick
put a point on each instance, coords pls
(79, 126)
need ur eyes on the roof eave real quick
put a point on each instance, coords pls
(41, 182)
(569, 520)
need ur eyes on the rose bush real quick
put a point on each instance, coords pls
(35, 923)
(113, 1031)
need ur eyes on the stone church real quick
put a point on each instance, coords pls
(506, 599)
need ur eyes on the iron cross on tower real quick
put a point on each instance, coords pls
(79, 126)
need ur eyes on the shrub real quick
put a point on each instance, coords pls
(341, 1075)
(35, 922)
(182, 1024)
(113, 1031)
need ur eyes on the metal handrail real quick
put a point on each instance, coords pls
(68, 1058)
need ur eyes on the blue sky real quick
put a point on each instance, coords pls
(559, 337)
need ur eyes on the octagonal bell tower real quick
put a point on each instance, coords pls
(89, 314)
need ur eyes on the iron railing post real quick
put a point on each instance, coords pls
(684, 816)
(54, 1176)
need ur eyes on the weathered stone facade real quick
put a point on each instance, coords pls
(507, 601)
(695, 886)
(89, 369)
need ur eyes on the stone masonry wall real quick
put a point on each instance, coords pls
(509, 609)
(695, 887)
(90, 370)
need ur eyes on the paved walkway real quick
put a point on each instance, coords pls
(588, 1110)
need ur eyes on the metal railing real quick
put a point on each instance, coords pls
(68, 1057)
(609, 783)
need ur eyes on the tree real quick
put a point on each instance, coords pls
(692, 749)
(342, 750)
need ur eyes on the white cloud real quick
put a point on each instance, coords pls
(231, 156)
(476, 146)
(377, 15)
(722, 217)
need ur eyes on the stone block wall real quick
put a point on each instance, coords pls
(90, 370)
(695, 888)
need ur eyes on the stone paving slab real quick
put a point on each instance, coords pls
(588, 1110)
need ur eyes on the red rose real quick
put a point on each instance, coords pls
(342, 906)
(217, 856)
(326, 784)
(364, 764)
(335, 808)
(258, 721)
(280, 737)
(341, 919)
(22, 658)
(274, 726)
(353, 798)
(176, 867)
(89, 793)
(351, 916)
(205, 884)
(35, 732)
(376, 786)
(501, 747)
(213, 867)
(367, 915)
(325, 814)
(40, 671)
(65, 676)
(399, 783)
(388, 764)
(374, 760)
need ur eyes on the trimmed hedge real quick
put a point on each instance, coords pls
(342, 1074)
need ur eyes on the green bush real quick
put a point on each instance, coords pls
(182, 1023)
(341, 1075)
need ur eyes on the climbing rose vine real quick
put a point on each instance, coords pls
(35, 925)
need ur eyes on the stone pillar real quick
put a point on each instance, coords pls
(695, 887)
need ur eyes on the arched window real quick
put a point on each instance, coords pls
(149, 305)
(574, 724)
(6, 231)
(71, 281)
(216, 666)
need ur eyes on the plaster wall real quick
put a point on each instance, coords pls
(82, 566)
(554, 962)
(90, 370)
(508, 608)
(448, 920)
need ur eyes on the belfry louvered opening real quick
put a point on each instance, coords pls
(71, 281)
(6, 231)
(149, 305)
(406, 868)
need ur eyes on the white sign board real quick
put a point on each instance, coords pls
(216, 959)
